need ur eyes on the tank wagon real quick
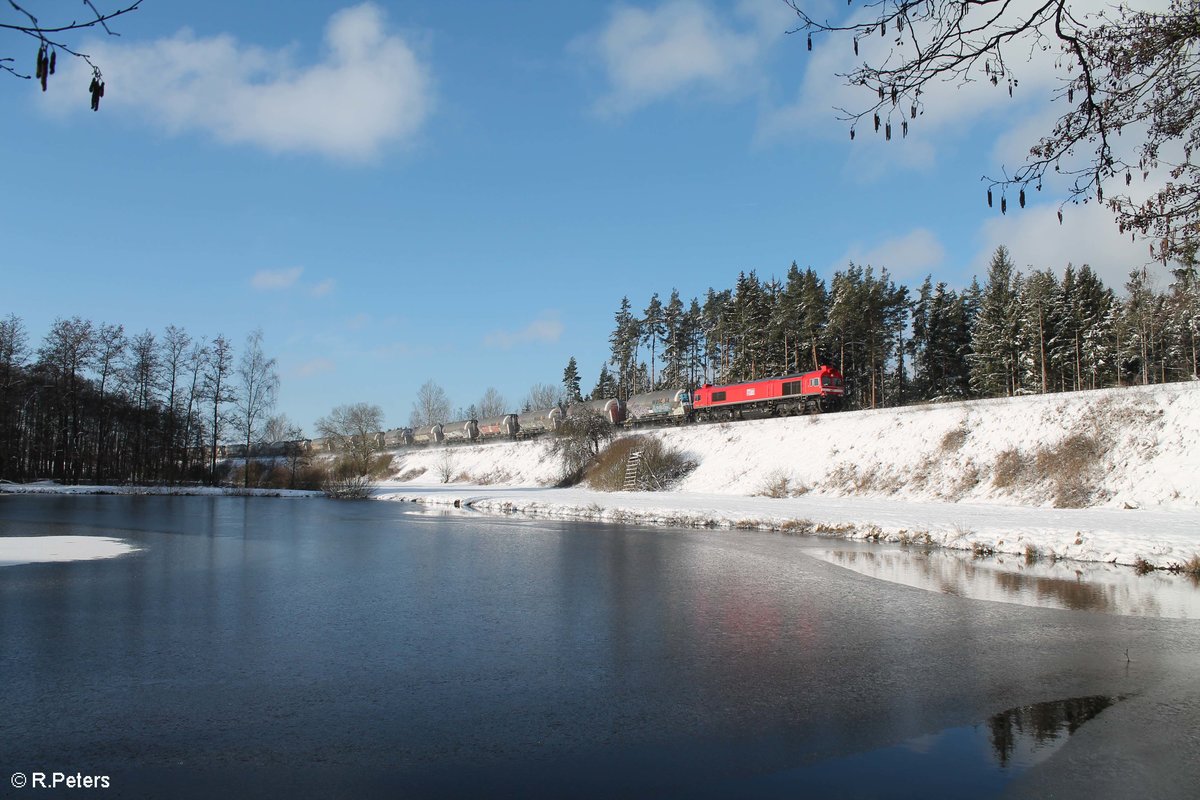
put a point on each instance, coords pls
(544, 420)
(505, 426)
(428, 434)
(397, 437)
(612, 410)
(463, 430)
(665, 407)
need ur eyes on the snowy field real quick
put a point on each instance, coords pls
(983, 475)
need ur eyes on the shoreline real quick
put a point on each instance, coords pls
(1142, 539)
(1090, 535)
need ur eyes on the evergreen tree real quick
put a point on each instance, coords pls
(674, 342)
(624, 343)
(571, 382)
(1039, 306)
(652, 330)
(995, 360)
(1183, 315)
(606, 386)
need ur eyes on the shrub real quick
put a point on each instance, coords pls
(578, 443)
(347, 487)
(445, 466)
(777, 485)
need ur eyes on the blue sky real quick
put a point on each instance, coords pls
(398, 192)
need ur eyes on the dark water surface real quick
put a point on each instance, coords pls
(260, 647)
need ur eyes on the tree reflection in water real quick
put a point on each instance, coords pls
(1041, 723)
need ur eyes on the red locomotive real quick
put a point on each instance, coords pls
(819, 390)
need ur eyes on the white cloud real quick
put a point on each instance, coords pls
(544, 329)
(914, 254)
(951, 114)
(648, 55)
(1088, 235)
(370, 88)
(269, 279)
(323, 288)
(316, 366)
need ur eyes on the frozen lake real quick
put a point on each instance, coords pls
(302, 647)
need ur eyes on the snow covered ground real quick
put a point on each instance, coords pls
(984, 475)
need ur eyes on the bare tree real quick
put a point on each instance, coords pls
(175, 344)
(217, 392)
(542, 395)
(431, 406)
(52, 37)
(258, 386)
(492, 404)
(139, 377)
(1119, 69)
(110, 354)
(353, 430)
(14, 351)
(68, 349)
(282, 430)
(197, 358)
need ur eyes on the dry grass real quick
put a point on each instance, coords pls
(1143, 567)
(1008, 470)
(661, 466)
(1190, 567)
(410, 474)
(797, 527)
(953, 441)
(1032, 554)
(1071, 466)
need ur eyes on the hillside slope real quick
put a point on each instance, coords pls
(1122, 464)
(1132, 447)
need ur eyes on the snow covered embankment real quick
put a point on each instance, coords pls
(1121, 465)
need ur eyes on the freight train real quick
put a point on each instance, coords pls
(823, 389)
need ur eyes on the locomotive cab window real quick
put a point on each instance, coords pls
(792, 387)
(814, 382)
(718, 397)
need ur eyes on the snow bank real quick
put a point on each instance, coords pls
(983, 475)
(39, 549)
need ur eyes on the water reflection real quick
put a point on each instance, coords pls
(970, 761)
(1022, 736)
(1106, 588)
